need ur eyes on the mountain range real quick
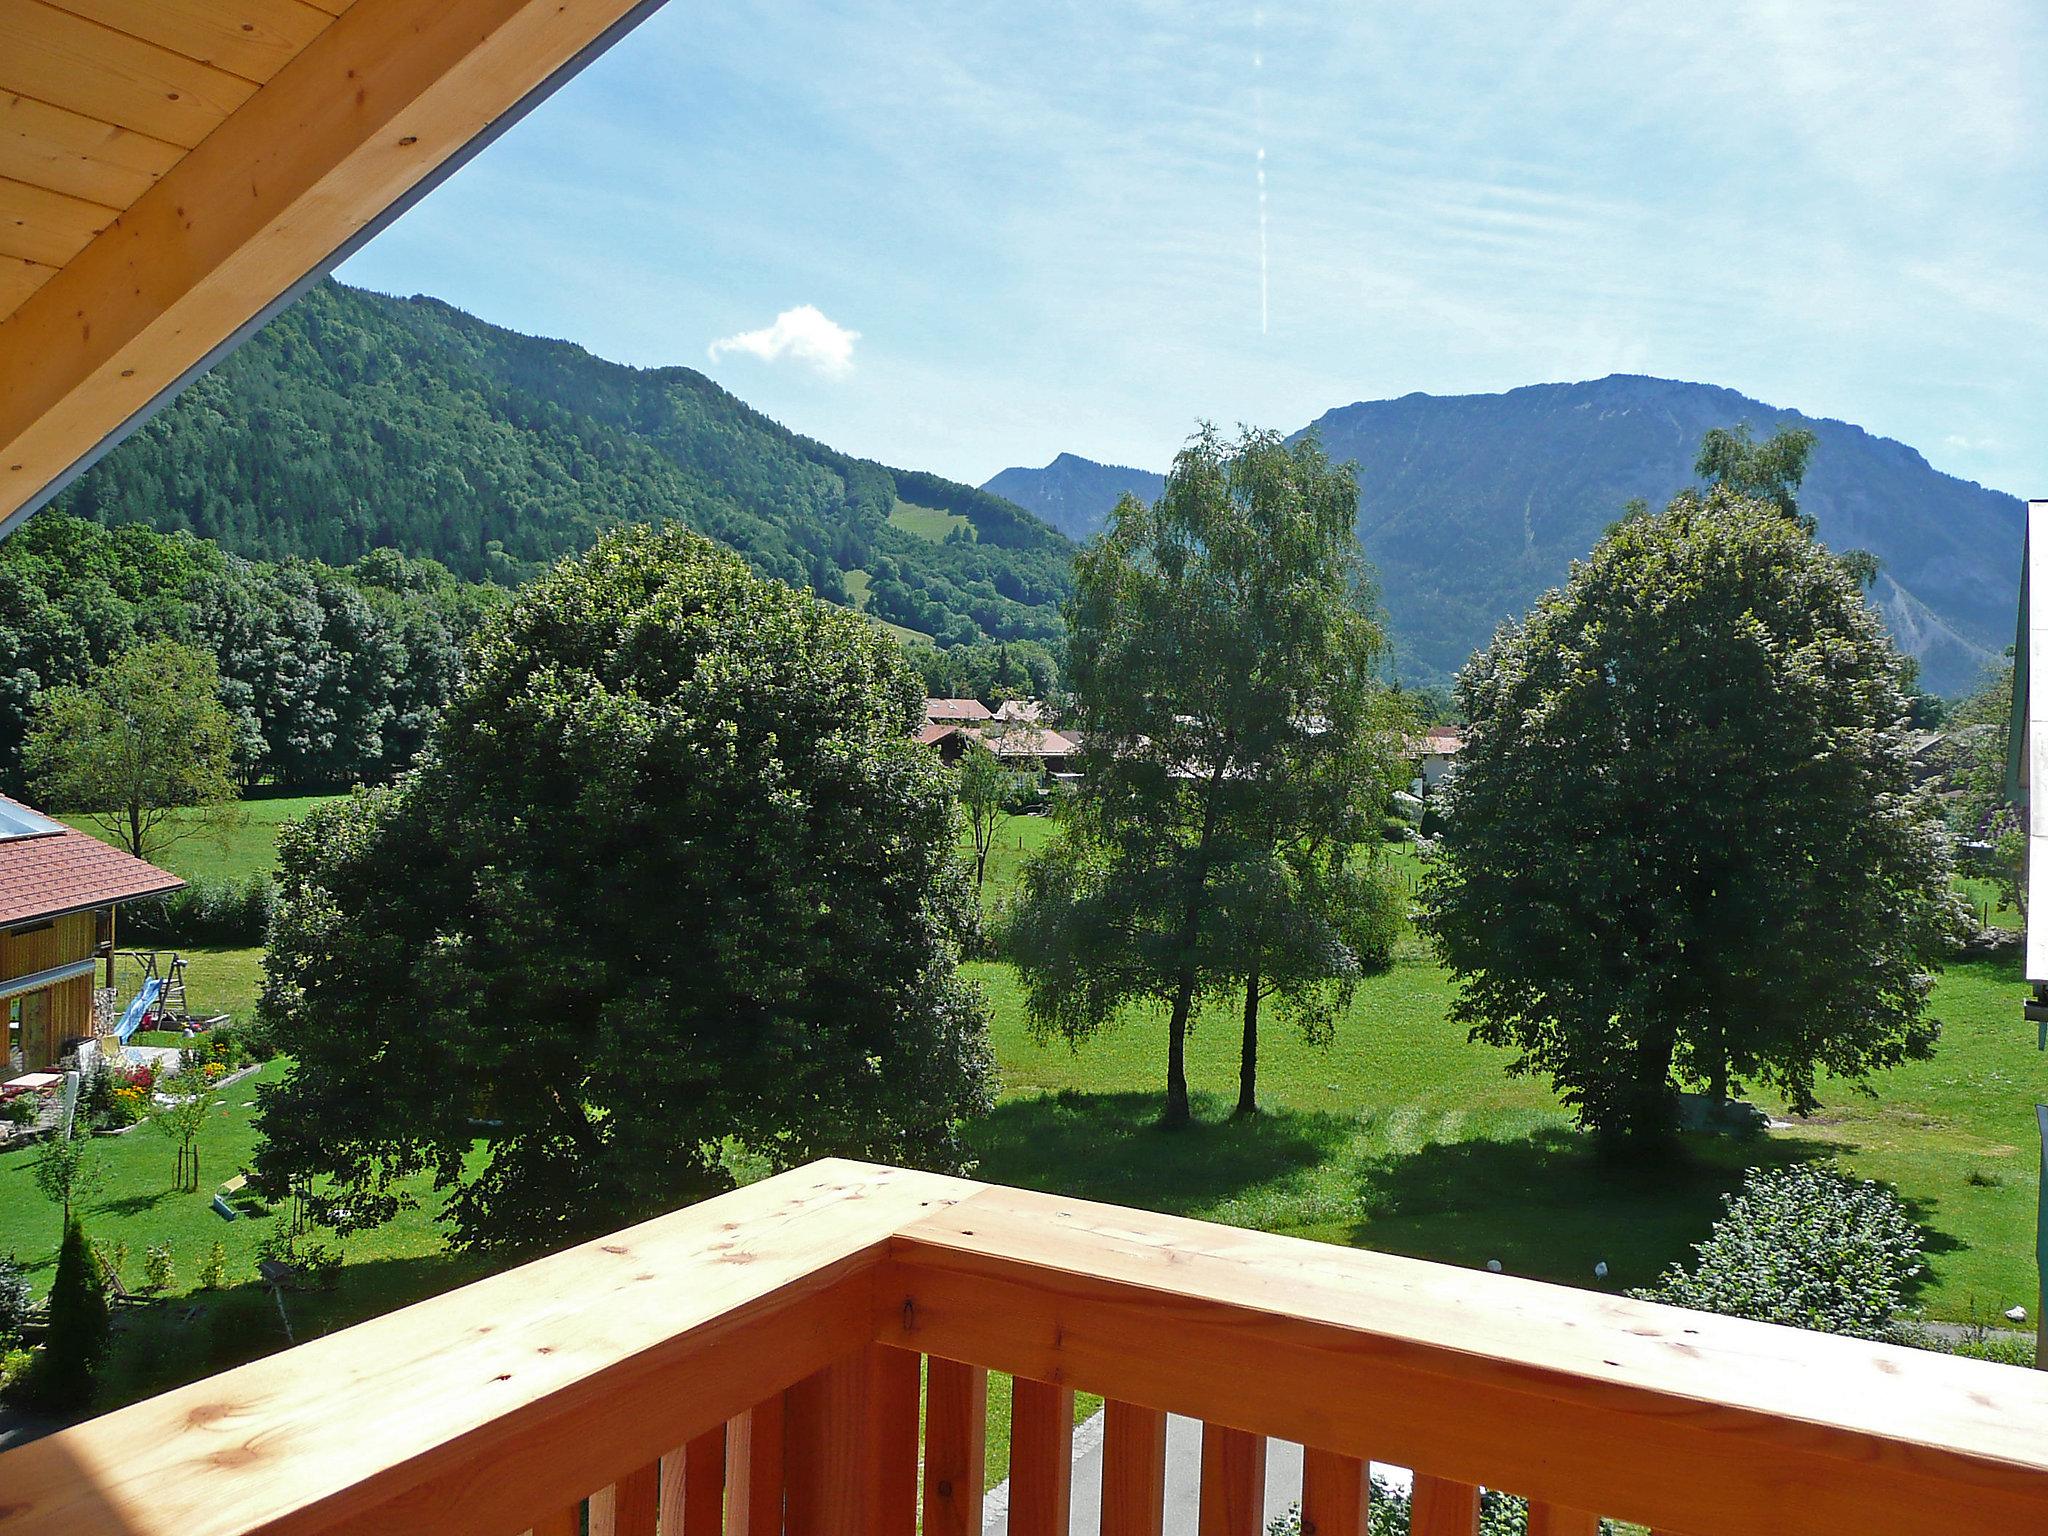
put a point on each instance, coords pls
(1470, 506)
(353, 421)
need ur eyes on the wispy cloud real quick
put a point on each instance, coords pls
(804, 334)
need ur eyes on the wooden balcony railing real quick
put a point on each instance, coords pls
(752, 1366)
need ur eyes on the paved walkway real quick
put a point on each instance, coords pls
(1183, 1480)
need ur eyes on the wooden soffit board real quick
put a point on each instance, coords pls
(172, 171)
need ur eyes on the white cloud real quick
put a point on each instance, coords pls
(803, 333)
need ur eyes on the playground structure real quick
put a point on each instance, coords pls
(159, 1001)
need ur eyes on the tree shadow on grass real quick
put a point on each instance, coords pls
(1108, 1146)
(135, 1205)
(1548, 1205)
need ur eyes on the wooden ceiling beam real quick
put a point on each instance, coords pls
(377, 109)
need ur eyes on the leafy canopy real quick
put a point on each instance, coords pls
(145, 739)
(1221, 659)
(673, 883)
(1682, 841)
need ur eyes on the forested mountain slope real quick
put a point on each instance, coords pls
(354, 421)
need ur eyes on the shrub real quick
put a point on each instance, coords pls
(1807, 1246)
(64, 1369)
(213, 1269)
(1390, 1514)
(226, 912)
(15, 1300)
(159, 1269)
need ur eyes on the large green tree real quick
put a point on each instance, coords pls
(673, 882)
(1682, 844)
(144, 750)
(1221, 659)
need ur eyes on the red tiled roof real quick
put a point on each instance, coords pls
(956, 709)
(68, 871)
(1029, 741)
(931, 735)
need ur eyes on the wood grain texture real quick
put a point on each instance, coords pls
(1041, 1458)
(250, 38)
(850, 1452)
(1133, 1470)
(692, 1501)
(1482, 1378)
(280, 179)
(48, 227)
(71, 62)
(753, 1471)
(1443, 1508)
(468, 1412)
(955, 1447)
(629, 1506)
(564, 1521)
(1556, 1520)
(1233, 1482)
(1335, 1493)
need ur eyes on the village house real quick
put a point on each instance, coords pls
(1435, 752)
(59, 890)
(956, 712)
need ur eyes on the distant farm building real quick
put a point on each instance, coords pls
(1435, 752)
(956, 712)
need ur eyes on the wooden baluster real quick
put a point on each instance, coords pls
(627, 1508)
(897, 1380)
(1233, 1483)
(1133, 1470)
(753, 1471)
(955, 1447)
(1443, 1508)
(693, 1487)
(1041, 1458)
(850, 1449)
(1335, 1491)
(1556, 1520)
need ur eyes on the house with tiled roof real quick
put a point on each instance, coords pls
(59, 889)
(955, 712)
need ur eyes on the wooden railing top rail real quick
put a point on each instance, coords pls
(470, 1411)
(1675, 1419)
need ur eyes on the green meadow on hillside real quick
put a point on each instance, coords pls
(932, 523)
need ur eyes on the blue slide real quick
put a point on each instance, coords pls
(139, 1009)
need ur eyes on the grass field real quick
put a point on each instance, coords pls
(1401, 1136)
(248, 847)
(161, 1346)
(927, 522)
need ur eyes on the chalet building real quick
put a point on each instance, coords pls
(810, 1355)
(956, 712)
(59, 890)
(1022, 745)
(1020, 712)
(1435, 752)
(949, 741)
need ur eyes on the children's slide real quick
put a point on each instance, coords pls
(138, 1010)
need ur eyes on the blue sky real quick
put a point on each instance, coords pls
(964, 235)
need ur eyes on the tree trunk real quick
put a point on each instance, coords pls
(1248, 1058)
(1176, 1115)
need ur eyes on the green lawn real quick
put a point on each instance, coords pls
(1402, 1136)
(248, 848)
(161, 1345)
(926, 522)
